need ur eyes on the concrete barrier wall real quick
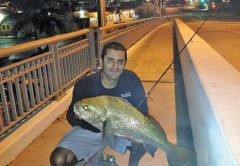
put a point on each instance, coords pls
(213, 95)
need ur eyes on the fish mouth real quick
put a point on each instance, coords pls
(80, 112)
(75, 110)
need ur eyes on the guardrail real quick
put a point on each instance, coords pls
(27, 85)
(213, 100)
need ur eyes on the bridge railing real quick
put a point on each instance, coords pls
(27, 85)
(126, 33)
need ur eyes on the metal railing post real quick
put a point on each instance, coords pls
(5, 114)
(57, 78)
(91, 48)
(99, 47)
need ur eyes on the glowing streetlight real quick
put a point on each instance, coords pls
(2, 16)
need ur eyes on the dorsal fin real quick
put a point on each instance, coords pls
(125, 100)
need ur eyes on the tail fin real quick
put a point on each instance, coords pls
(179, 156)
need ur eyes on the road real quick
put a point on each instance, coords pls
(10, 41)
(224, 37)
(220, 31)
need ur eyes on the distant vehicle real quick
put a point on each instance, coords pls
(212, 6)
(201, 5)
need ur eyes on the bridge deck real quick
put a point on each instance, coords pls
(167, 103)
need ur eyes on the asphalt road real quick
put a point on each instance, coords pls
(221, 31)
(224, 37)
(10, 41)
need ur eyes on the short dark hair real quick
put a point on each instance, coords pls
(115, 46)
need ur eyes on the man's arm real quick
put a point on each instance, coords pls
(75, 97)
(81, 90)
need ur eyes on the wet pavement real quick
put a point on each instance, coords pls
(167, 104)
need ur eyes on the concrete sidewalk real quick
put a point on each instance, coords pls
(167, 104)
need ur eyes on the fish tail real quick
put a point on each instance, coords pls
(179, 156)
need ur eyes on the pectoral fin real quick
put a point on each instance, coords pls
(151, 149)
(104, 137)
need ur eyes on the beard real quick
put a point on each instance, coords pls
(113, 74)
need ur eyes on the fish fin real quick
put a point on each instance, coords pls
(181, 156)
(151, 149)
(104, 137)
(123, 99)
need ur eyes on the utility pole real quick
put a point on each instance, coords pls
(101, 13)
(70, 9)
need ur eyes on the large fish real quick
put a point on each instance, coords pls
(124, 120)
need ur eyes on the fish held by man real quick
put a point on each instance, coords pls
(122, 119)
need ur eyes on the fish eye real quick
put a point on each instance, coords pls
(85, 107)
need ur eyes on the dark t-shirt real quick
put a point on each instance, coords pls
(129, 86)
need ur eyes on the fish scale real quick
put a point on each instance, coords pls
(131, 125)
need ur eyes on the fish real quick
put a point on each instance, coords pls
(117, 116)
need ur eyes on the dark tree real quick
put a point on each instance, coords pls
(40, 18)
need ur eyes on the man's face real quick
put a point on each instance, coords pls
(113, 64)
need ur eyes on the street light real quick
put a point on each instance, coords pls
(2, 16)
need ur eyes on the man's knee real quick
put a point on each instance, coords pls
(62, 157)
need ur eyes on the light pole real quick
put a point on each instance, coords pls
(101, 10)
(1, 17)
(70, 9)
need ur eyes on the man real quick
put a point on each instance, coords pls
(84, 140)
